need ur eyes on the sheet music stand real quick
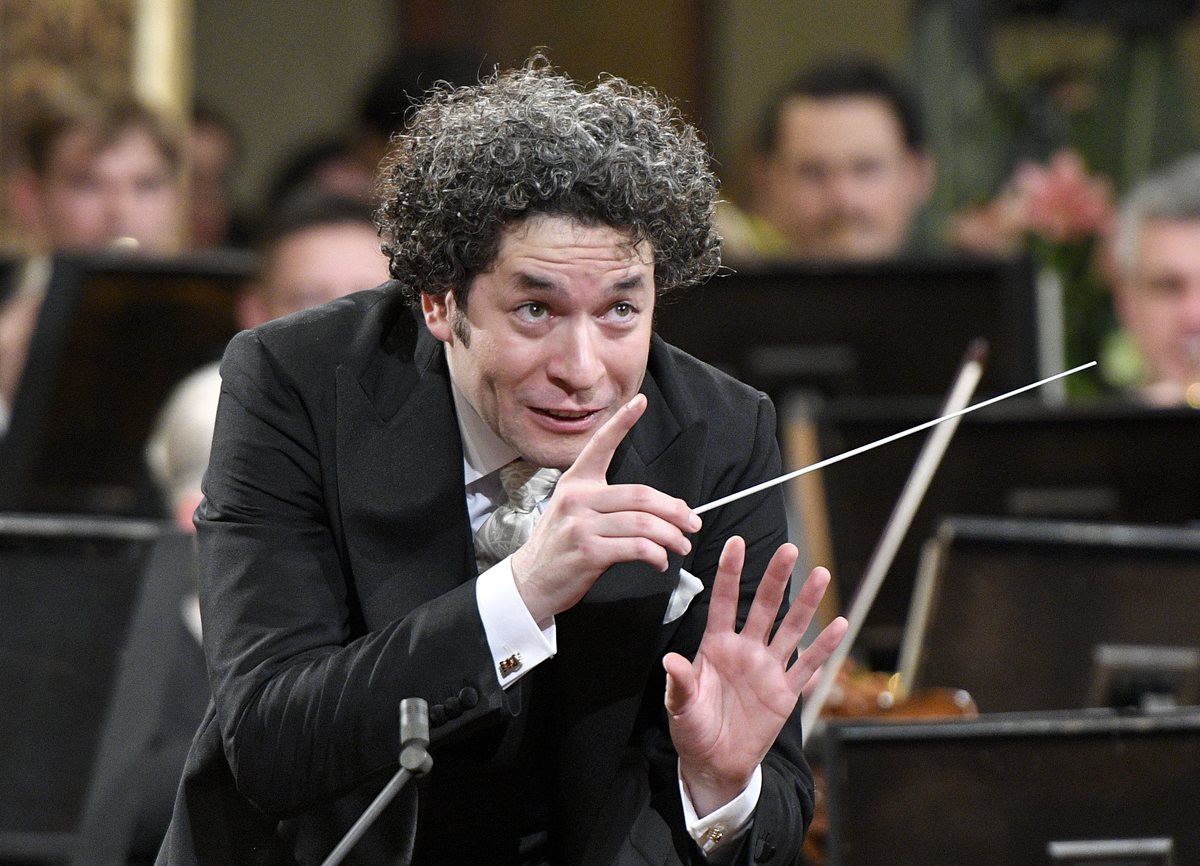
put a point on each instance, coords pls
(1109, 463)
(1016, 788)
(87, 640)
(1048, 615)
(114, 335)
(893, 328)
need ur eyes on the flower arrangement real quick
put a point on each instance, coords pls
(1063, 216)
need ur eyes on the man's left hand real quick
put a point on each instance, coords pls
(727, 707)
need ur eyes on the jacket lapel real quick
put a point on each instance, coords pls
(399, 457)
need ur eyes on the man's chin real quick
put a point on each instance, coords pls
(557, 453)
(860, 246)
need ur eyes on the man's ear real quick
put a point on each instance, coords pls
(439, 313)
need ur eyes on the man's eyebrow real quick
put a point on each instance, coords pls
(525, 280)
(636, 281)
(531, 282)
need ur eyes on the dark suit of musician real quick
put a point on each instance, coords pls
(338, 572)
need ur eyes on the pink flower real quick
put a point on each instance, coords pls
(1060, 202)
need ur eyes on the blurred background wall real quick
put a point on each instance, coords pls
(286, 73)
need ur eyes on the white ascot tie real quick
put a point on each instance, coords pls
(509, 526)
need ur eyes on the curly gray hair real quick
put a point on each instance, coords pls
(476, 159)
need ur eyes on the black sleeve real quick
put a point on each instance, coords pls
(306, 698)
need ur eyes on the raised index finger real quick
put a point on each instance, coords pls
(593, 460)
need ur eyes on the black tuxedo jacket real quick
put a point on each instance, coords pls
(337, 578)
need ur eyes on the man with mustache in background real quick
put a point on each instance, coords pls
(839, 171)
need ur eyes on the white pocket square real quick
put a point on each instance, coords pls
(689, 587)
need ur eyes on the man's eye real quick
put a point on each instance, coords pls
(1164, 287)
(534, 311)
(868, 168)
(623, 310)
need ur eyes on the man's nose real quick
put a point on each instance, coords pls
(122, 210)
(842, 191)
(576, 362)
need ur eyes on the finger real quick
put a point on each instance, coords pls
(639, 525)
(722, 608)
(796, 622)
(681, 683)
(593, 460)
(769, 594)
(600, 552)
(641, 498)
(817, 653)
(811, 685)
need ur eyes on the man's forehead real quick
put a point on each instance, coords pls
(546, 232)
(88, 144)
(1167, 248)
(815, 123)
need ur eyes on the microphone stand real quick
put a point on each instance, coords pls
(415, 760)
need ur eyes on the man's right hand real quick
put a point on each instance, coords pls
(590, 525)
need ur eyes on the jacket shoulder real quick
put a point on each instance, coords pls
(307, 346)
(697, 390)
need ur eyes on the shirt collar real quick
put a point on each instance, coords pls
(483, 451)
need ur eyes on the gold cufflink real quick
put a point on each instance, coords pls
(715, 833)
(510, 665)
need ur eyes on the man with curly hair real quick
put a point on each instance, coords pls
(618, 684)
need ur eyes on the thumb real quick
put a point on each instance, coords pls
(681, 683)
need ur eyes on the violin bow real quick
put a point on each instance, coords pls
(897, 527)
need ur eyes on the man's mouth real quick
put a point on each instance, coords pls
(566, 414)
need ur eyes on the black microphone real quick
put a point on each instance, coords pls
(415, 760)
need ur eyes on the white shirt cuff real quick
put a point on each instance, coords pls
(516, 642)
(720, 828)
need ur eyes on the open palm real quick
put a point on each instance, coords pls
(727, 706)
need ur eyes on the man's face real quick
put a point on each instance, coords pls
(316, 265)
(841, 182)
(90, 198)
(555, 336)
(1159, 301)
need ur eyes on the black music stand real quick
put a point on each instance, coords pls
(893, 328)
(114, 335)
(87, 645)
(1110, 463)
(1047, 615)
(1092, 787)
